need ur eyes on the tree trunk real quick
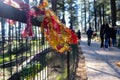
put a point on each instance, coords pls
(113, 12)
(100, 15)
(54, 5)
(95, 15)
(63, 16)
(103, 12)
(85, 15)
(3, 28)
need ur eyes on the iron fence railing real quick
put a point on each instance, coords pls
(32, 58)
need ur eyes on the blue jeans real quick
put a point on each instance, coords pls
(106, 42)
(114, 42)
(89, 41)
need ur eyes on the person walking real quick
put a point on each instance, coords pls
(113, 36)
(102, 32)
(79, 35)
(89, 35)
(107, 35)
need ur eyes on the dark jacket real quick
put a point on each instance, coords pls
(79, 34)
(89, 33)
(113, 32)
(107, 31)
(102, 30)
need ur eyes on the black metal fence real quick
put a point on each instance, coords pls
(32, 58)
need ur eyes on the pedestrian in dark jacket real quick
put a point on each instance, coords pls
(107, 35)
(89, 35)
(113, 36)
(79, 35)
(102, 32)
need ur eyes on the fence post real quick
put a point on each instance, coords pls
(68, 63)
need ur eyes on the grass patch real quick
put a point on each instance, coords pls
(6, 58)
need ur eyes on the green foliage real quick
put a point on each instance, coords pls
(6, 57)
(30, 71)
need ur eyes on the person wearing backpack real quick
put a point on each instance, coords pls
(89, 36)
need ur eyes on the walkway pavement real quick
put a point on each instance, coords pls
(100, 63)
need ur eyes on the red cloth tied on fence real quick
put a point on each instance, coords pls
(74, 38)
(28, 29)
(57, 34)
(56, 26)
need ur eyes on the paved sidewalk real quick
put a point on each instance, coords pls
(100, 63)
